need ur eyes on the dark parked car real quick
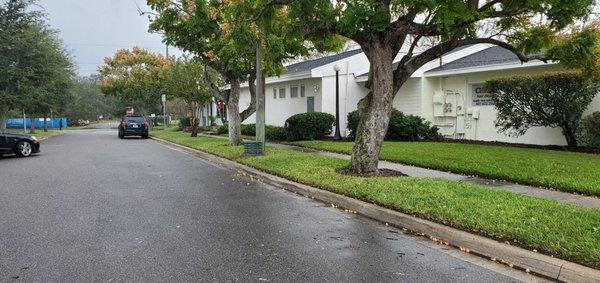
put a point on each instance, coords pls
(133, 126)
(21, 145)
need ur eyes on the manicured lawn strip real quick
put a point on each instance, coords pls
(38, 133)
(42, 134)
(563, 230)
(560, 170)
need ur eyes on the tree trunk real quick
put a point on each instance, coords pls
(569, 134)
(194, 125)
(32, 125)
(251, 109)
(45, 123)
(2, 118)
(233, 114)
(194, 121)
(374, 112)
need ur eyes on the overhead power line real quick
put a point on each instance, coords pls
(113, 46)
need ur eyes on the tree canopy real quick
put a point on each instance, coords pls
(421, 31)
(186, 79)
(224, 35)
(137, 76)
(35, 71)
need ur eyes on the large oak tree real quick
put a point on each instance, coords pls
(35, 71)
(383, 28)
(137, 76)
(224, 35)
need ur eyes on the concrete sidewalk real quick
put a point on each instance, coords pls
(413, 171)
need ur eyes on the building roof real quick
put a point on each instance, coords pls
(395, 65)
(311, 64)
(490, 56)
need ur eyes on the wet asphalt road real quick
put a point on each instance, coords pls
(92, 207)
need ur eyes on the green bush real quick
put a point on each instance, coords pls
(184, 123)
(555, 100)
(204, 128)
(309, 126)
(401, 127)
(590, 130)
(272, 133)
(248, 129)
(276, 133)
(223, 129)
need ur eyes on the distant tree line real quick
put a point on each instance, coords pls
(36, 72)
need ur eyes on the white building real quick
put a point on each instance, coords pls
(444, 91)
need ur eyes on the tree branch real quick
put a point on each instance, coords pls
(252, 107)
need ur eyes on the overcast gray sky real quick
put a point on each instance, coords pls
(94, 29)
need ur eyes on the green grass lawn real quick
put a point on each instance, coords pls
(38, 133)
(560, 170)
(49, 133)
(567, 231)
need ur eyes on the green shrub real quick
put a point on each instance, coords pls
(401, 127)
(204, 128)
(248, 129)
(272, 133)
(223, 129)
(549, 100)
(590, 130)
(184, 123)
(309, 126)
(275, 133)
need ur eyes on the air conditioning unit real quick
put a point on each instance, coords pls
(438, 104)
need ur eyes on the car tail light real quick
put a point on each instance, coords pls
(123, 124)
(146, 125)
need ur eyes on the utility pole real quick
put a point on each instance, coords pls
(163, 99)
(337, 136)
(260, 98)
(164, 96)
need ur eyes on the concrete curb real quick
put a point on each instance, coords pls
(45, 138)
(529, 261)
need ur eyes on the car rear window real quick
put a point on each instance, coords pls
(139, 120)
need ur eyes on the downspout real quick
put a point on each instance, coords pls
(346, 99)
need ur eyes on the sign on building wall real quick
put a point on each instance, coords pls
(481, 96)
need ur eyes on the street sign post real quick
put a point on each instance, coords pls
(163, 98)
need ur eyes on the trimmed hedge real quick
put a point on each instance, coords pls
(590, 130)
(401, 127)
(184, 122)
(223, 129)
(272, 133)
(309, 126)
(248, 129)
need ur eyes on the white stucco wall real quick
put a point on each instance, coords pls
(407, 100)
(484, 128)
(279, 109)
(415, 97)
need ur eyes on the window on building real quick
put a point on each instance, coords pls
(302, 91)
(293, 91)
(282, 93)
(274, 93)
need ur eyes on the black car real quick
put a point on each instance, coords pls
(133, 126)
(21, 145)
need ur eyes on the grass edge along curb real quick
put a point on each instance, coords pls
(459, 164)
(535, 263)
